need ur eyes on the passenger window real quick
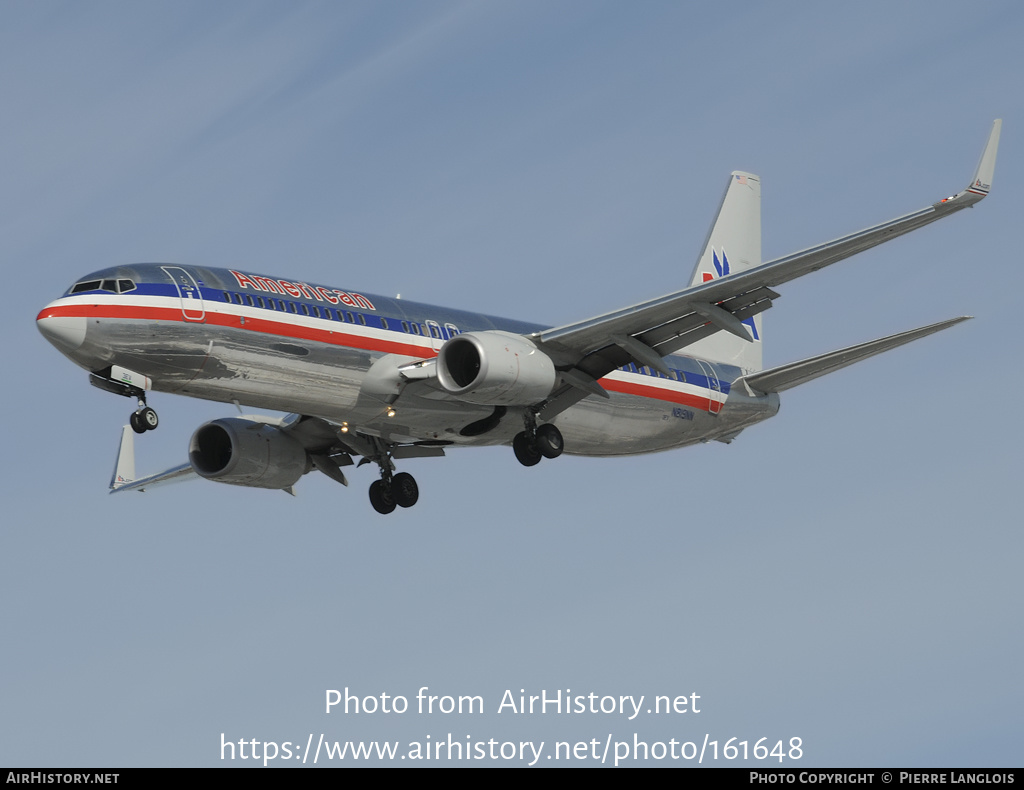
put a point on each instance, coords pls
(362, 319)
(405, 327)
(383, 323)
(238, 298)
(248, 298)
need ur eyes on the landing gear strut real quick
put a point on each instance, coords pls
(536, 442)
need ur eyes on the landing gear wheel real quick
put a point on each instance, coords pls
(549, 441)
(144, 420)
(149, 419)
(381, 498)
(526, 449)
(404, 489)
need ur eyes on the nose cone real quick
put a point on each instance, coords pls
(66, 332)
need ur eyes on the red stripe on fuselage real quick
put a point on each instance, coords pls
(657, 393)
(262, 325)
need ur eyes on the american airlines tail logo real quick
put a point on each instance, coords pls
(722, 267)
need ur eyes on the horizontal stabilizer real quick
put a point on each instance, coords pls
(787, 376)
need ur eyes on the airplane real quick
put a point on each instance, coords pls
(385, 380)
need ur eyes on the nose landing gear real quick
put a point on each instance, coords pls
(124, 382)
(144, 419)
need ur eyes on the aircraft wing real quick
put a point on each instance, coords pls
(317, 436)
(643, 333)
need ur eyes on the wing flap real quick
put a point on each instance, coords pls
(675, 335)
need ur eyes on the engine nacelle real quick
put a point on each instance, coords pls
(495, 368)
(247, 453)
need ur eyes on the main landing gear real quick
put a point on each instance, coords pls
(536, 442)
(393, 490)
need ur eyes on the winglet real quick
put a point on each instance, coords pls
(982, 182)
(124, 478)
(124, 467)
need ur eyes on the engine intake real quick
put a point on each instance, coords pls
(247, 453)
(495, 368)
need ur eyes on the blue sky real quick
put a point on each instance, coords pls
(847, 572)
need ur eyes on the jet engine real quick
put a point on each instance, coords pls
(247, 453)
(495, 368)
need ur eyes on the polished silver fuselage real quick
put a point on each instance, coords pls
(226, 336)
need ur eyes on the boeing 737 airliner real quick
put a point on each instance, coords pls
(383, 380)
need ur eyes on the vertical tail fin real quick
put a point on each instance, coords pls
(733, 245)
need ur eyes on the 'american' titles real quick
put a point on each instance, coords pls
(299, 290)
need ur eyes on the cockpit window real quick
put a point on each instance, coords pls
(113, 286)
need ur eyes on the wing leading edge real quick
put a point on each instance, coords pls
(661, 326)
